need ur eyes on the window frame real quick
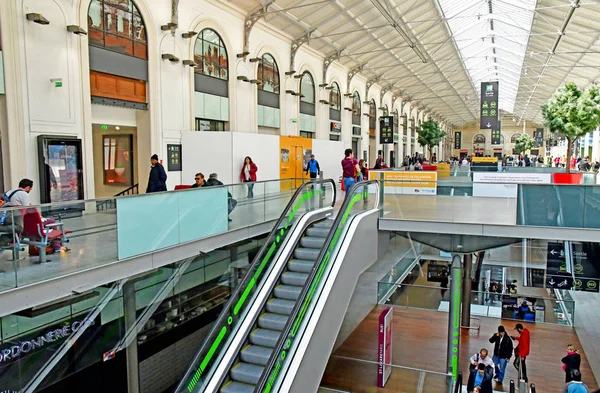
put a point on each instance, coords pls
(261, 75)
(222, 48)
(302, 99)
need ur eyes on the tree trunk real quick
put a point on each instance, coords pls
(569, 154)
(430, 155)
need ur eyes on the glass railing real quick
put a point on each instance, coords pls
(523, 307)
(357, 375)
(362, 197)
(101, 231)
(309, 197)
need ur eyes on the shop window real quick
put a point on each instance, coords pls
(211, 55)
(334, 137)
(268, 73)
(118, 26)
(118, 160)
(209, 125)
(307, 88)
(307, 134)
(335, 98)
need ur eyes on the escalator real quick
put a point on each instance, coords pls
(246, 372)
(261, 323)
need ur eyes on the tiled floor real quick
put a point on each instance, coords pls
(587, 325)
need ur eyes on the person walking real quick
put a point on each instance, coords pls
(350, 169)
(158, 177)
(503, 349)
(481, 357)
(571, 362)
(524, 340)
(480, 376)
(312, 167)
(575, 386)
(248, 175)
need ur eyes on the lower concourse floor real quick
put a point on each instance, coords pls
(419, 341)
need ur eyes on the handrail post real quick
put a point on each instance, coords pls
(381, 193)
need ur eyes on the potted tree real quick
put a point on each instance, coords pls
(573, 113)
(524, 143)
(430, 135)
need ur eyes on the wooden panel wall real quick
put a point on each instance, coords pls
(117, 87)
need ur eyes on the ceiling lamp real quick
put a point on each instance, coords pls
(76, 30)
(189, 34)
(190, 63)
(37, 18)
(243, 78)
(255, 60)
(172, 58)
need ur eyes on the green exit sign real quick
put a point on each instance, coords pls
(58, 84)
(104, 127)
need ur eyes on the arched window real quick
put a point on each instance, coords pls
(117, 25)
(479, 138)
(514, 137)
(356, 104)
(268, 73)
(396, 118)
(211, 55)
(335, 97)
(307, 88)
(372, 110)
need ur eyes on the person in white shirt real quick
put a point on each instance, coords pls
(482, 357)
(465, 162)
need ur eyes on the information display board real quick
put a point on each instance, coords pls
(583, 266)
(385, 346)
(538, 135)
(407, 182)
(496, 137)
(386, 129)
(174, 158)
(489, 106)
(457, 140)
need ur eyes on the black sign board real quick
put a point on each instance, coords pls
(585, 266)
(496, 137)
(538, 135)
(386, 130)
(457, 139)
(489, 106)
(174, 158)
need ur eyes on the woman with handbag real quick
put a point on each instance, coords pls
(248, 175)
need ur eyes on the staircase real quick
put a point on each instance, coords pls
(255, 354)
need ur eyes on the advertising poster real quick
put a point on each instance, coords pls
(63, 161)
(505, 184)
(489, 106)
(519, 307)
(384, 347)
(407, 182)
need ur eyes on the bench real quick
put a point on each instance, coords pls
(36, 234)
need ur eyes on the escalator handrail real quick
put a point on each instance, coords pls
(459, 383)
(215, 331)
(281, 343)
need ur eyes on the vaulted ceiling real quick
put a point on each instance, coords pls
(436, 53)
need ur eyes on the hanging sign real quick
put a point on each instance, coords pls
(489, 106)
(496, 137)
(385, 347)
(457, 140)
(386, 129)
(538, 135)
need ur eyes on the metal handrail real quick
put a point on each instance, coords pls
(282, 343)
(211, 338)
(420, 370)
(459, 383)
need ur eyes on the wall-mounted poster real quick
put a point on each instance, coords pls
(118, 159)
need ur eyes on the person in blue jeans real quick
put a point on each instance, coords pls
(350, 169)
(503, 350)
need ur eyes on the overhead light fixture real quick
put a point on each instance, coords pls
(242, 55)
(256, 81)
(189, 34)
(301, 95)
(37, 18)
(366, 114)
(367, 102)
(255, 60)
(290, 73)
(290, 92)
(329, 88)
(76, 30)
(172, 58)
(324, 101)
(298, 76)
(323, 85)
(190, 63)
(169, 26)
(381, 108)
(348, 95)
(348, 109)
(242, 78)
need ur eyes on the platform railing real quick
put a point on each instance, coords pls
(134, 225)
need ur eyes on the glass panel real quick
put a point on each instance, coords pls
(356, 104)
(139, 29)
(110, 19)
(307, 88)
(211, 36)
(119, 44)
(124, 24)
(95, 15)
(96, 37)
(140, 50)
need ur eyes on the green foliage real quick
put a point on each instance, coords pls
(573, 113)
(524, 143)
(430, 134)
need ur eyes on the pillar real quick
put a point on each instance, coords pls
(129, 307)
(466, 293)
(454, 318)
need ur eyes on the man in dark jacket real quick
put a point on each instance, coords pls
(158, 177)
(214, 181)
(481, 376)
(503, 350)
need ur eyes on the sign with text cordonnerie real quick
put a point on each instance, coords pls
(489, 106)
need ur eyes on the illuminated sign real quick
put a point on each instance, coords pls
(49, 337)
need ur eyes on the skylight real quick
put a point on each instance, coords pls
(492, 37)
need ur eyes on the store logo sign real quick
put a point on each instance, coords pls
(51, 336)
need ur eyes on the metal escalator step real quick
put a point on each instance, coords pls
(280, 306)
(288, 292)
(256, 354)
(272, 321)
(317, 232)
(246, 373)
(309, 254)
(324, 224)
(264, 337)
(312, 242)
(236, 387)
(293, 278)
(300, 266)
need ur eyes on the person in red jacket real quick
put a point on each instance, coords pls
(248, 175)
(524, 340)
